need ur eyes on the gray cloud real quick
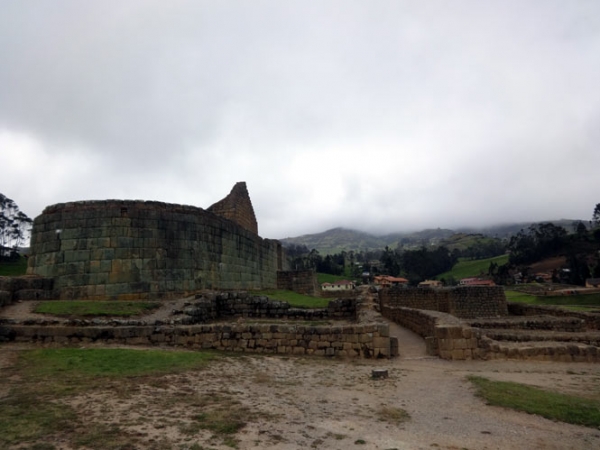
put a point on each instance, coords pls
(380, 116)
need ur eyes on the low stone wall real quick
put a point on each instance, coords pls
(353, 293)
(210, 306)
(592, 320)
(463, 301)
(13, 289)
(352, 341)
(301, 281)
(587, 337)
(450, 338)
(445, 335)
(540, 351)
(551, 323)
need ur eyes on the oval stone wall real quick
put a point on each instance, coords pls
(121, 249)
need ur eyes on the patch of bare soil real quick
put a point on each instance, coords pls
(296, 403)
(284, 403)
(549, 264)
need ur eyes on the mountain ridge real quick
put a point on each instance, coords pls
(340, 239)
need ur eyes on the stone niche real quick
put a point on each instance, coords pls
(132, 249)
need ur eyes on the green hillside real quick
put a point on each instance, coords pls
(462, 241)
(472, 268)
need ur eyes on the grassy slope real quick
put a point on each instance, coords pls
(472, 268)
(576, 302)
(532, 400)
(294, 299)
(327, 278)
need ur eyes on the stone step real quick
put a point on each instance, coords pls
(551, 323)
(587, 337)
(542, 351)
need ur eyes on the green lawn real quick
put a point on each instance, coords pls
(95, 308)
(575, 302)
(532, 400)
(13, 269)
(294, 299)
(472, 268)
(35, 406)
(327, 278)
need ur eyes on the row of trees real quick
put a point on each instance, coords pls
(416, 265)
(15, 227)
(581, 250)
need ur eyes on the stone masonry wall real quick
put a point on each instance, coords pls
(445, 335)
(353, 341)
(118, 249)
(463, 302)
(13, 289)
(211, 306)
(449, 338)
(237, 207)
(591, 320)
(301, 281)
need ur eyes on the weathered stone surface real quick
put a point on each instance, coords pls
(143, 249)
(463, 302)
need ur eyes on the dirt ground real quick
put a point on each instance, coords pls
(313, 402)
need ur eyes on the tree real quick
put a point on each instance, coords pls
(596, 215)
(14, 227)
(540, 241)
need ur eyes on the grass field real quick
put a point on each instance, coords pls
(13, 269)
(574, 302)
(327, 278)
(472, 268)
(294, 299)
(532, 400)
(35, 406)
(95, 308)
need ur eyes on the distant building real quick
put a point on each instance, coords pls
(430, 283)
(388, 281)
(342, 285)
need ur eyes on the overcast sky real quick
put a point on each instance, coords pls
(375, 115)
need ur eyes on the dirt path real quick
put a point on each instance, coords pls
(298, 403)
(303, 402)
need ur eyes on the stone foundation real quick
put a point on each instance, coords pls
(353, 341)
(13, 289)
(146, 250)
(464, 302)
(301, 281)
(445, 335)
(213, 306)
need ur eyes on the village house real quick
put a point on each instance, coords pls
(474, 281)
(430, 283)
(389, 281)
(342, 285)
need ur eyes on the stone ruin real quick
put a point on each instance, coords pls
(477, 322)
(124, 249)
(133, 249)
